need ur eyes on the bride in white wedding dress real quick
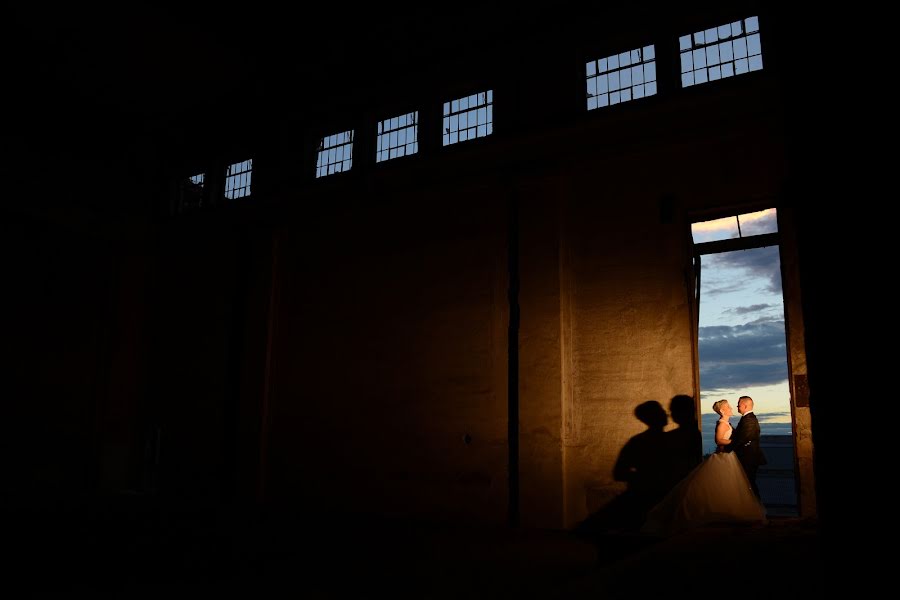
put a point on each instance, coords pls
(716, 491)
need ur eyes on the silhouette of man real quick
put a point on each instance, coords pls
(685, 444)
(745, 441)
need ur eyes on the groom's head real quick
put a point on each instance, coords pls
(745, 404)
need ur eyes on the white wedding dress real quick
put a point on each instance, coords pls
(716, 491)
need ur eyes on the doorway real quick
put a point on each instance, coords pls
(741, 337)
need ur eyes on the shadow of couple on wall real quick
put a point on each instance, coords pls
(650, 464)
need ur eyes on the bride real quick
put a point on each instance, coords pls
(716, 491)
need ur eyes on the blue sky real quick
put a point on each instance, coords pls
(742, 342)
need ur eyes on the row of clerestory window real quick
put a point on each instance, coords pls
(716, 53)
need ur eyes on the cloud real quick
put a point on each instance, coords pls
(743, 310)
(762, 263)
(714, 288)
(769, 319)
(760, 222)
(741, 356)
(775, 417)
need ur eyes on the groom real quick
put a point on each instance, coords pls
(745, 441)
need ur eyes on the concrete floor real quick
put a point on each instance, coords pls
(150, 555)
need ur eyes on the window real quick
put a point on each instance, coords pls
(192, 191)
(720, 52)
(398, 137)
(335, 154)
(237, 179)
(621, 77)
(469, 118)
(739, 226)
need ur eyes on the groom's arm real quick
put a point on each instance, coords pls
(740, 435)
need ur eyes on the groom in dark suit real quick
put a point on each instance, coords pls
(745, 441)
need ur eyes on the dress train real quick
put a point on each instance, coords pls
(716, 491)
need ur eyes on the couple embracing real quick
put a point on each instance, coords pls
(723, 487)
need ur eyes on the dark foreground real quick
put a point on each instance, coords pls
(130, 552)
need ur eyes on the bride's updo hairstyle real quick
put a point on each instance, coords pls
(717, 406)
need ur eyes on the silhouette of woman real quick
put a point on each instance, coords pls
(716, 491)
(641, 467)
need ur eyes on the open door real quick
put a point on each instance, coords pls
(744, 345)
